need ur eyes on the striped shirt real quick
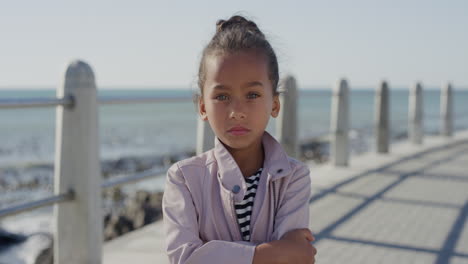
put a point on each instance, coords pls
(244, 208)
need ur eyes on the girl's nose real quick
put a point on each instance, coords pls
(237, 111)
(237, 115)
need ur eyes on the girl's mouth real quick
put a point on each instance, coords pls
(238, 131)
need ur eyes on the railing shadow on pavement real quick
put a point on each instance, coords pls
(447, 250)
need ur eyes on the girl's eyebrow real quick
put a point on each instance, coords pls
(221, 87)
(245, 86)
(254, 83)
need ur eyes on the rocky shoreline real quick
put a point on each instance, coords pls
(134, 212)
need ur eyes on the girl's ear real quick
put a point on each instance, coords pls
(276, 106)
(201, 108)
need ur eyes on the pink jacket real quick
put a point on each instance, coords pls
(198, 205)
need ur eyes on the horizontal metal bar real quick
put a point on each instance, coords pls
(133, 178)
(143, 99)
(69, 196)
(36, 102)
(69, 101)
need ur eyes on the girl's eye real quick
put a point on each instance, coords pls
(221, 97)
(253, 95)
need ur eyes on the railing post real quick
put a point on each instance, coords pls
(446, 111)
(382, 117)
(415, 120)
(286, 123)
(78, 236)
(205, 136)
(340, 124)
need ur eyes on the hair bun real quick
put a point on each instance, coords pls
(219, 25)
(234, 35)
(238, 21)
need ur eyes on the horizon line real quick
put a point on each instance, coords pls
(170, 87)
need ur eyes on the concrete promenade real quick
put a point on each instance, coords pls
(409, 206)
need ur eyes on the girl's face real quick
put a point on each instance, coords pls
(237, 98)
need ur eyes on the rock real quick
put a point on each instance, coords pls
(46, 256)
(135, 213)
(315, 149)
(141, 197)
(36, 248)
(8, 239)
(149, 162)
(117, 225)
(141, 209)
(116, 194)
(126, 164)
(153, 207)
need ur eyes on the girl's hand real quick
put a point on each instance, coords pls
(297, 246)
(297, 234)
(293, 248)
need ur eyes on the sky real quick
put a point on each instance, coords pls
(157, 44)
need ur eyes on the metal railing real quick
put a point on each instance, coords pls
(29, 206)
(68, 101)
(133, 178)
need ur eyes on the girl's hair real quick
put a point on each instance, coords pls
(239, 34)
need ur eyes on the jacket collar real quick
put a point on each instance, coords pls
(276, 162)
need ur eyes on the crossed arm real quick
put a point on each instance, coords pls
(291, 238)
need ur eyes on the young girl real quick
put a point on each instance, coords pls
(245, 200)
